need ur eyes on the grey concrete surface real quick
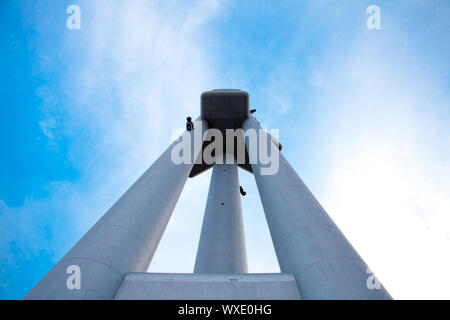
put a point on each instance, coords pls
(154, 286)
(125, 239)
(221, 247)
(307, 242)
(316, 260)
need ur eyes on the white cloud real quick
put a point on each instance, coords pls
(379, 148)
(141, 73)
(139, 70)
(153, 62)
(389, 152)
(396, 215)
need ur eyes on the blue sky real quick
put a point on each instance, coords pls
(364, 118)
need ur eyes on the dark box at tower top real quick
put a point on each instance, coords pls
(225, 108)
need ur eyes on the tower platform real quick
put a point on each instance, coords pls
(186, 286)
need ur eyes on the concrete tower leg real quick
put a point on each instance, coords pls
(125, 239)
(222, 241)
(307, 242)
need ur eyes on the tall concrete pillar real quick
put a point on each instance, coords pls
(307, 242)
(125, 239)
(222, 241)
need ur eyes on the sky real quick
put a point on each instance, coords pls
(363, 116)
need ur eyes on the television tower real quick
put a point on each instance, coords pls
(316, 260)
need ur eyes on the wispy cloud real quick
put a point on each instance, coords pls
(387, 112)
(152, 61)
(136, 73)
(375, 108)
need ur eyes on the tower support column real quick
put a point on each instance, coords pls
(307, 242)
(125, 239)
(222, 241)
